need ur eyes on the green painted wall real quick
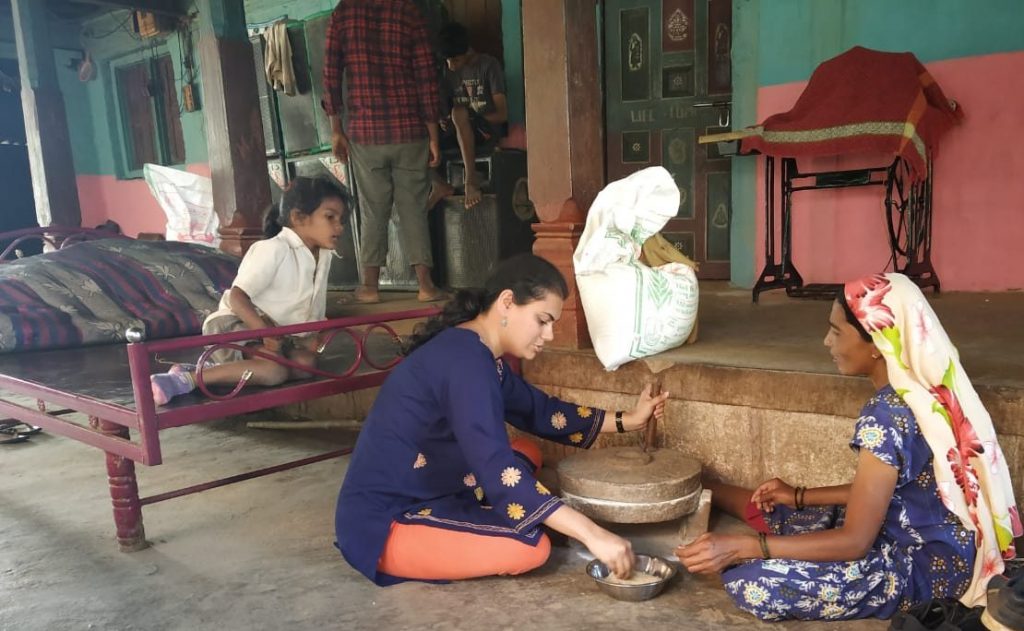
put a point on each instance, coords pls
(257, 11)
(79, 108)
(111, 45)
(783, 41)
(797, 35)
(7, 33)
(512, 41)
(746, 32)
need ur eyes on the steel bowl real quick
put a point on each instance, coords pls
(657, 566)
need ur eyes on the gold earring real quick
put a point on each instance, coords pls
(874, 356)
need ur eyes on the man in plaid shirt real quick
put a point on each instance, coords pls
(381, 50)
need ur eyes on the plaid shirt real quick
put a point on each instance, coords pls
(381, 49)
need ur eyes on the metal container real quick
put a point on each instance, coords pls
(472, 241)
(656, 566)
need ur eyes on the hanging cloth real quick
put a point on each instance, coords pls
(278, 59)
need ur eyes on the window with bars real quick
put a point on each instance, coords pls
(149, 113)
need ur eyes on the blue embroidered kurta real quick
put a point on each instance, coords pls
(434, 450)
(922, 550)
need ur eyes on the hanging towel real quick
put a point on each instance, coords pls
(278, 57)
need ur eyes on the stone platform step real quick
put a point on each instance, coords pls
(749, 424)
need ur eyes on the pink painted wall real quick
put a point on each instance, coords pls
(128, 202)
(978, 206)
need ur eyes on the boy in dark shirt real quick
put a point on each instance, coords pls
(474, 89)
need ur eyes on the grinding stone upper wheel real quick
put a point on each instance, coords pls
(621, 473)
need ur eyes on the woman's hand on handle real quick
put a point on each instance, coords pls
(646, 406)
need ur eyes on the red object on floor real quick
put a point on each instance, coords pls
(755, 517)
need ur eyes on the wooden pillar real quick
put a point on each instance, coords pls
(234, 129)
(46, 125)
(564, 129)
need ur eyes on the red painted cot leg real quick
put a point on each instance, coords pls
(124, 492)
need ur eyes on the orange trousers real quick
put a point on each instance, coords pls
(420, 552)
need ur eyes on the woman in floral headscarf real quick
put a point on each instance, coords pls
(930, 512)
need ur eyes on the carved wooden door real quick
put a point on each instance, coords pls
(668, 80)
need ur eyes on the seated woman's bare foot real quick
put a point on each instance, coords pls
(473, 195)
(438, 191)
(432, 294)
(366, 295)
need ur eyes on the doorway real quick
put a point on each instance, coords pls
(483, 20)
(19, 208)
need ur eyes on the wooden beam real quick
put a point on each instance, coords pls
(564, 122)
(54, 183)
(234, 128)
(173, 8)
(727, 136)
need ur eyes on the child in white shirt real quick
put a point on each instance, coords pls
(282, 280)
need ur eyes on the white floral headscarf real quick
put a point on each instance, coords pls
(924, 368)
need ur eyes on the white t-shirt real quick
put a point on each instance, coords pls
(282, 280)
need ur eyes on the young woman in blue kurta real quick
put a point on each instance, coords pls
(434, 452)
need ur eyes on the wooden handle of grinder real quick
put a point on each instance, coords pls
(651, 432)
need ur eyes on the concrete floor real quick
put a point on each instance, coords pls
(259, 554)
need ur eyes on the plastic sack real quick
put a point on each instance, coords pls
(187, 200)
(633, 310)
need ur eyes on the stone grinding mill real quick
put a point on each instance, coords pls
(637, 485)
